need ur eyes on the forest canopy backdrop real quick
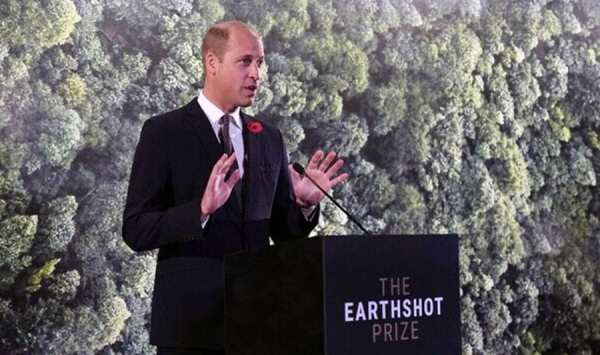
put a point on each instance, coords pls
(475, 117)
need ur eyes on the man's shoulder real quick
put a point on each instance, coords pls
(171, 116)
(174, 118)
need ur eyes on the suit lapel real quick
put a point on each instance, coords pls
(252, 147)
(209, 142)
(204, 131)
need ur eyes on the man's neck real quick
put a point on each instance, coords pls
(212, 97)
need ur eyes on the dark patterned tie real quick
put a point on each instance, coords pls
(227, 146)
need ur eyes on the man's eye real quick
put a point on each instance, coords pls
(246, 61)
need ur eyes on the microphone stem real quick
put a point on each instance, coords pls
(337, 204)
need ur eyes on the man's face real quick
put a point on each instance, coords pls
(237, 76)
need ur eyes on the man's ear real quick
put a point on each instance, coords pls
(211, 63)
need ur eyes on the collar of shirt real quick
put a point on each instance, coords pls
(214, 113)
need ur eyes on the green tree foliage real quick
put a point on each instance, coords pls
(467, 116)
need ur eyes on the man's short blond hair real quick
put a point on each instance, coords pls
(217, 38)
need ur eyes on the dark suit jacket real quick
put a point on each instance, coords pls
(173, 160)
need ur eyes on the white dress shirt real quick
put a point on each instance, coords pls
(214, 114)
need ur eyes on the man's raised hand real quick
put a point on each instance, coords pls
(322, 171)
(219, 188)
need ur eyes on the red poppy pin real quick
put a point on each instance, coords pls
(255, 127)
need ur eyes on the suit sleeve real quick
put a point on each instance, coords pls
(287, 220)
(151, 219)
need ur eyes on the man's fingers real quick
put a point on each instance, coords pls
(218, 167)
(313, 164)
(324, 165)
(327, 161)
(233, 179)
(219, 171)
(338, 179)
(216, 170)
(227, 163)
(334, 168)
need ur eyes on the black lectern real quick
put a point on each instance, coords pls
(345, 295)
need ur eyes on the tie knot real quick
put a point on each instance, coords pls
(225, 120)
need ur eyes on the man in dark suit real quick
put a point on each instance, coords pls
(187, 196)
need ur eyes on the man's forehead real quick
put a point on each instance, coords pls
(246, 45)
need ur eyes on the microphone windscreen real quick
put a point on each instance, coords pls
(299, 169)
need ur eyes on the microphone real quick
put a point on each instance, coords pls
(300, 170)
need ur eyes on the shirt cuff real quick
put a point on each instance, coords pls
(308, 212)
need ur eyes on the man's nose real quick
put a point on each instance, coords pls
(255, 72)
